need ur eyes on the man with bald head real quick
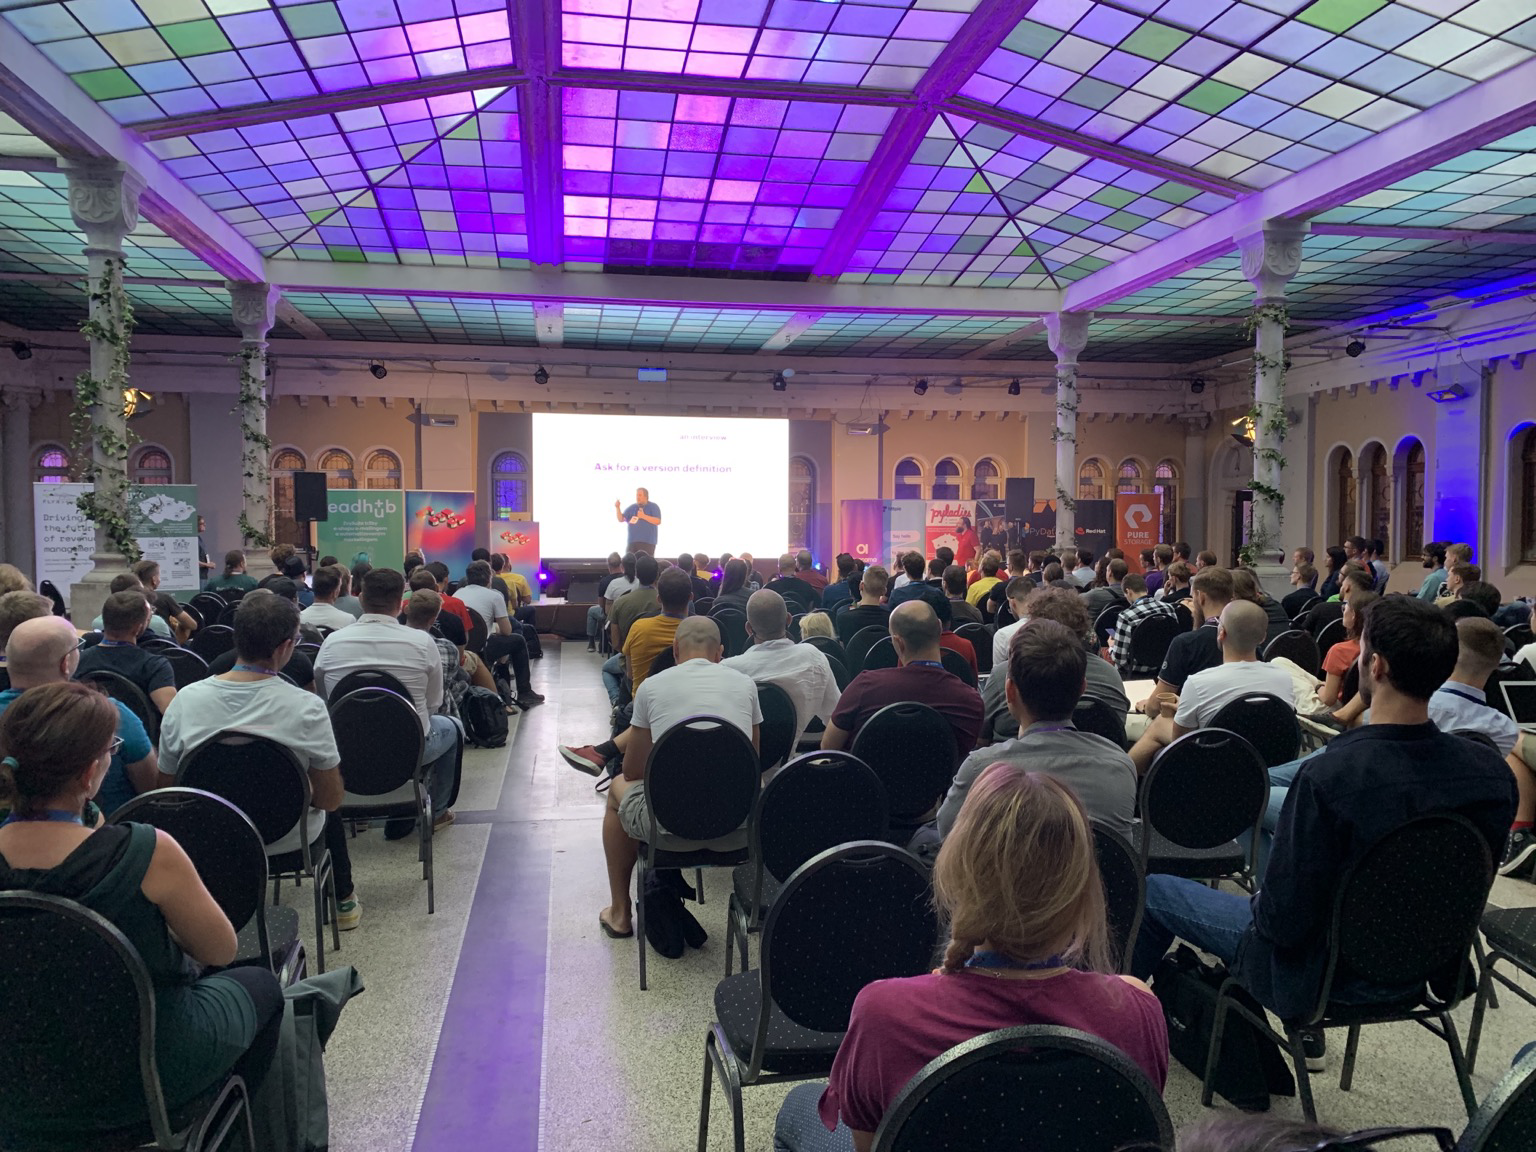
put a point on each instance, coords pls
(1240, 631)
(46, 650)
(14, 608)
(800, 669)
(920, 677)
(697, 685)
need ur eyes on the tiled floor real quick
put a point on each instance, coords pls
(508, 1021)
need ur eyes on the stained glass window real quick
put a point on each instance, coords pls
(909, 480)
(1344, 495)
(1130, 477)
(946, 480)
(382, 469)
(988, 477)
(1165, 480)
(1090, 480)
(285, 462)
(151, 465)
(336, 463)
(509, 487)
(50, 464)
(1379, 494)
(802, 501)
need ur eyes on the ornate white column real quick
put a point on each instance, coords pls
(104, 203)
(1270, 258)
(1192, 514)
(16, 476)
(254, 307)
(1067, 335)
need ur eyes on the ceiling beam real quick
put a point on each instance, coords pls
(1473, 117)
(55, 109)
(1004, 340)
(982, 32)
(537, 30)
(791, 330)
(549, 322)
(299, 322)
(1468, 236)
(28, 164)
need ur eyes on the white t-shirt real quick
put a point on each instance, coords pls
(800, 669)
(901, 581)
(1206, 692)
(1000, 641)
(381, 643)
(486, 601)
(696, 687)
(618, 586)
(157, 625)
(271, 708)
(322, 615)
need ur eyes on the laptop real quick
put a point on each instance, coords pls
(1520, 701)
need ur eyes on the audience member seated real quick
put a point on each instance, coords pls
(58, 743)
(980, 586)
(697, 685)
(800, 669)
(1372, 557)
(1111, 592)
(1018, 883)
(961, 610)
(124, 617)
(1456, 554)
(12, 579)
(380, 642)
(299, 668)
(1245, 586)
(47, 651)
(805, 569)
(1483, 594)
(1303, 578)
(1045, 676)
(515, 586)
(1020, 589)
(920, 676)
(1364, 784)
(1335, 561)
(868, 612)
(1018, 565)
(1140, 606)
(1192, 652)
(293, 568)
(1433, 558)
(798, 594)
(734, 586)
(452, 623)
(1162, 558)
(1176, 582)
(164, 604)
(698, 588)
(422, 610)
(1081, 570)
(1521, 846)
(1239, 632)
(323, 612)
(840, 591)
(128, 582)
(1344, 653)
(817, 624)
(251, 698)
(1206, 559)
(502, 641)
(597, 613)
(233, 578)
(918, 588)
(14, 608)
(1353, 578)
(347, 599)
(650, 636)
(1065, 607)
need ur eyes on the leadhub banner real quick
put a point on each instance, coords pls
(363, 524)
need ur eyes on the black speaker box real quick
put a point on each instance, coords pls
(309, 496)
(581, 592)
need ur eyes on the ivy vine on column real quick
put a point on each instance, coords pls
(1066, 420)
(255, 449)
(1269, 418)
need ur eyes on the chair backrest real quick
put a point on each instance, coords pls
(818, 801)
(1265, 721)
(122, 689)
(1104, 623)
(776, 734)
(1298, 647)
(192, 610)
(226, 615)
(1517, 636)
(702, 605)
(794, 625)
(1185, 610)
(312, 651)
(911, 747)
(368, 678)
(1509, 672)
(213, 641)
(840, 673)
(1506, 1119)
(881, 654)
(1093, 715)
(1040, 1087)
(379, 739)
(701, 779)
(223, 844)
(260, 777)
(980, 637)
(1409, 908)
(208, 605)
(829, 646)
(1203, 790)
(1329, 635)
(1151, 637)
(1125, 889)
(665, 659)
(1306, 606)
(859, 644)
(161, 644)
(733, 629)
(479, 631)
(848, 916)
(77, 1014)
(958, 665)
(187, 666)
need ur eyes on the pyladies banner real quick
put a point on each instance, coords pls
(363, 524)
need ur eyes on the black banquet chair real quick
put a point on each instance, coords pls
(1299, 648)
(733, 629)
(1104, 624)
(957, 665)
(1330, 634)
(776, 734)
(881, 654)
(125, 691)
(829, 647)
(1093, 715)
(1151, 638)
(1265, 721)
(849, 916)
(860, 643)
(1511, 937)
(1010, 1088)
(208, 606)
(368, 678)
(980, 637)
(911, 747)
(213, 641)
(1201, 793)
(1125, 890)
(187, 666)
(1506, 1119)
(83, 1024)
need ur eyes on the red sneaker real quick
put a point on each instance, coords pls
(584, 759)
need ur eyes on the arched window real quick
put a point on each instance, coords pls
(381, 470)
(285, 462)
(802, 501)
(1413, 501)
(909, 480)
(1528, 498)
(946, 480)
(1130, 478)
(1378, 494)
(1344, 495)
(509, 487)
(1090, 480)
(51, 464)
(337, 466)
(1165, 481)
(151, 465)
(988, 478)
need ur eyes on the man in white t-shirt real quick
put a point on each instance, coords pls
(800, 669)
(323, 613)
(697, 686)
(503, 639)
(1241, 673)
(253, 699)
(1018, 591)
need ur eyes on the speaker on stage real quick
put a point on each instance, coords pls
(309, 496)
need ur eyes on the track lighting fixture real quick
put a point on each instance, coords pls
(920, 387)
(1354, 348)
(377, 370)
(1197, 385)
(781, 379)
(1013, 387)
(21, 350)
(541, 375)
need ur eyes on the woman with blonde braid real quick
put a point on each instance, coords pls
(1019, 884)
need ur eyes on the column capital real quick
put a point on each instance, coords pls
(254, 308)
(1272, 255)
(1066, 333)
(20, 399)
(1195, 422)
(103, 200)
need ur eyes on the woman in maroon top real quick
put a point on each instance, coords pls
(1019, 883)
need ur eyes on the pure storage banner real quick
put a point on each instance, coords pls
(363, 524)
(1137, 521)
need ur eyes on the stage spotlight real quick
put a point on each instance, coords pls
(920, 387)
(781, 379)
(1013, 387)
(21, 350)
(377, 370)
(540, 375)
(1354, 348)
(1197, 385)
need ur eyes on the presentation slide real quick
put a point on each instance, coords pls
(715, 484)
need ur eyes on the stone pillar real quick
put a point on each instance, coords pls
(16, 478)
(254, 307)
(1270, 258)
(104, 203)
(1067, 335)
(1193, 513)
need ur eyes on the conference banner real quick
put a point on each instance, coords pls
(441, 526)
(945, 521)
(363, 524)
(1138, 522)
(63, 538)
(865, 526)
(518, 541)
(164, 521)
(1037, 529)
(905, 526)
(1095, 526)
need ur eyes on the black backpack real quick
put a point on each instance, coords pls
(485, 718)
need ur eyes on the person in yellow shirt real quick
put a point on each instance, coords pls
(650, 636)
(991, 564)
(516, 584)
